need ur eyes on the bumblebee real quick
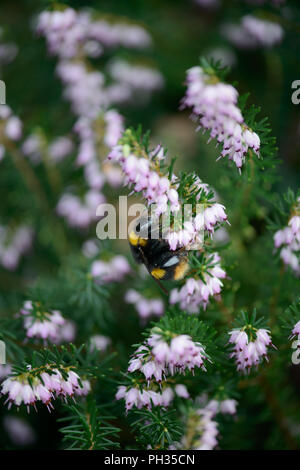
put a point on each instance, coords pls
(154, 252)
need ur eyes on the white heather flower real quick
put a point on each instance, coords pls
(110, 271)
(215, 106)
(249, 352)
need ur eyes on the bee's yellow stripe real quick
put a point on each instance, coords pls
(158, 273)
(135, 240)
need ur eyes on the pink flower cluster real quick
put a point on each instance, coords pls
(227, 406)
(157, 358)
(79, 213)
(46, 325)
(110, 271)
(69, 33)
(88, 154)
(200, 421)
(83, 88)
(196, 293)
(141, 173)
(14, 244)
(206, 430)
(146, 308)
(253, 33)
(45, 387)
(147, 397)
(132, 82)
(74, 36)
(248, 353)
(34, 147)
(214, 104)
(296, 331)
(288, 241)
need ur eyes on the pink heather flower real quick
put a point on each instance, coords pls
(99, 342)
(5, 370)
(114, 128)
(13, 128)
(228, 406)
(214, 215)
(208, 431)
(205, 430)
(119, 34)
(215, 106)
(294, 223)
(148, 397)
(110, 271)
(44, 325)
(146, 308)
(90, 248)
(156, 358)
(181, 391)
(13, 245)
(60, 148)
(142, 178)
(135, 78)
(83, 88)
(43, 389)
(80, 213)
(296, 331)
(253, 33)
(32, 148)
(195, 293)
(19, 431)
(248, 353)
(288, 241)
